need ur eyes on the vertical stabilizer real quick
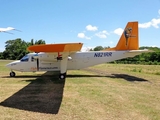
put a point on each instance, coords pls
(129, 38)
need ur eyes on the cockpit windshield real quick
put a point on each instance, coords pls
(25, 58)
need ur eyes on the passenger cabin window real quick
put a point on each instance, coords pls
(25, 58)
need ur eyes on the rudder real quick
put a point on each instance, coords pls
(129, 38)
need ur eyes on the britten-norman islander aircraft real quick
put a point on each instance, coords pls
(67, 56)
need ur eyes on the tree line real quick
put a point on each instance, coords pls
(17, 48)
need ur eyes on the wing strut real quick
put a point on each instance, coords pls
(63, 66)
(37, 64)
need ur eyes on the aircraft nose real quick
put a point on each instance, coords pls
(12, 64)
(8, 65)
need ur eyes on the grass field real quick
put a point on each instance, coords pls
(102, 92)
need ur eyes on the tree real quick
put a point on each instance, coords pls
(37, 42)
(98, 48)
(40, 42)
(32, 42)
(1, 55)
(144, 58)
(106, 47)
(15, 49)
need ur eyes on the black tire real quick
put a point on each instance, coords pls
(62, 76)
(12, 74)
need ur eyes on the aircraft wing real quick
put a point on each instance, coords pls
(51, 48)
(63, 52)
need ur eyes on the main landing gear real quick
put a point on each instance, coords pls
(12, 74)
(63, 64)
(62, 76)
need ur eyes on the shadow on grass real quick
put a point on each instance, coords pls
(81, 76)
(46, 74)
(44, 94)
(123, 76)
(128, 77)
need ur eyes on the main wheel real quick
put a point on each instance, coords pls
(12, 74)
(62, 76)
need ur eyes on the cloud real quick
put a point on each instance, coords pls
(83, 36)
(118, 31)
(154, 22)
(102, 34)
(153, 46)
(86, 49)
(111, 42)
(145, 25)
(91, 28)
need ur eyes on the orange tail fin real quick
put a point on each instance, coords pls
(129, 38)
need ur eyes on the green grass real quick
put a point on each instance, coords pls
(102, 92)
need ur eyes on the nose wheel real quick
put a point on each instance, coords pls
(62, 76)
(12, 74)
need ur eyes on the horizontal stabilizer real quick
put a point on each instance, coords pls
(132, 53)
(140, 51)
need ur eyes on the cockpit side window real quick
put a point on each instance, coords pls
(34, 57)
(25, 58)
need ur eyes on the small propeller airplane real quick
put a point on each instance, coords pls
(67, 56)
(8, 29)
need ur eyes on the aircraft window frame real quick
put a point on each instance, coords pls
(25, 58)
(32, 58)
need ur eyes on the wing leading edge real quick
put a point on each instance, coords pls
(64, 47)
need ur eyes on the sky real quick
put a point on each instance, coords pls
(91, 22)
